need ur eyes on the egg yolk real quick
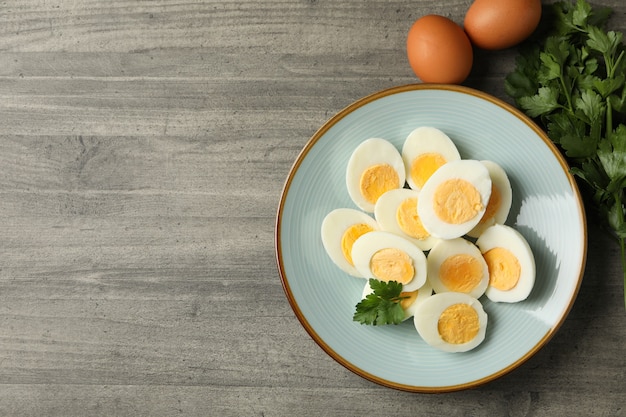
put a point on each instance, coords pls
(410, 299)
(424, 166)
(409, 221)
(504, 268)
(461, 273)
(456, 201)
(377, 180)
(458, 324)
(391, 264)
(349, 236)
(495, 200)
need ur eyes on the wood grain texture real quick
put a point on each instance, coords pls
(143, 150)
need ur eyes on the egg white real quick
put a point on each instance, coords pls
(373, 151)
(385, 211)
(334, 226)
(469, 170)
(426, 320)
(444, 249)
(501, 182)
(370, 243)
(426, 139)
(508, 238)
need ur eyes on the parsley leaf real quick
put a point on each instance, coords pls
(591, 106)
(581, 13)
(382, 306)
(544, 101)
(603, 42)
(607, 86)
(612, 154)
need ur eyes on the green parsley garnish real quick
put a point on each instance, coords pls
(382, 306)
(573, 83)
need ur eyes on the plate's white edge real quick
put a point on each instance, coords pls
(334, 120)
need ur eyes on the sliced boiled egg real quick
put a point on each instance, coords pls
(374, 168)
(424, 151)
(410, 299)
(454, 198)
(340, 229)
(451, 321)
(388, 257)
(457, 265)
(499, 202)
(510, 261)
(396, 212)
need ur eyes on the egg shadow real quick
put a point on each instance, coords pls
(546, 264)
(546, 260)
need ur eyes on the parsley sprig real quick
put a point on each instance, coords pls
(382, 305)
(573, 82)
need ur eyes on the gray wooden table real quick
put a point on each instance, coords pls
(143, 149)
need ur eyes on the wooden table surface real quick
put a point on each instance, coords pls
(143, 150)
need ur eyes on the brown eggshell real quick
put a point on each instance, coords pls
(439, 51)
(500, 24)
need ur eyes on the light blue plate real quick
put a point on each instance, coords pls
(547, 210)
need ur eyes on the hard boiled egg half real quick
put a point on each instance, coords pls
(340, 229)
(396, 212)
(457, 265)
(454, 198)
(451, 321)
(510, 261)
(388, 257)
(499, 201)
(374, 168)
(426, 149)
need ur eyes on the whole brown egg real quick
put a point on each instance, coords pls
(438, 50)
(500, 24)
